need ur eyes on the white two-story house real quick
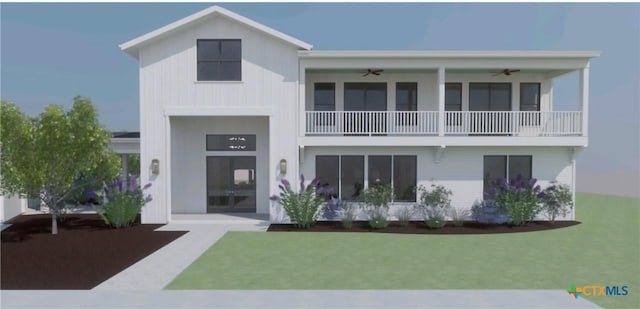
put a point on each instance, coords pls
(229, 107)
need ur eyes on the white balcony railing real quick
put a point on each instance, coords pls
(508, 123)
(514, 123)
(372, 123)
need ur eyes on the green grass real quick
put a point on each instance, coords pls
(603, 250)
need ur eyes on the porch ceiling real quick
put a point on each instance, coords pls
(551, 73)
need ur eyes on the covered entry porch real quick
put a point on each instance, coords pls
(219, 167)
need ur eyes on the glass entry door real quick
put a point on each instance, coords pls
(231, 184)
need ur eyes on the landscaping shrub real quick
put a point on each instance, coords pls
(435, 222)
(332, 205)
(302, 207)
(376, 200)
(487, 211)
(404, 214)
(458, 216)
(121, 202)
(347, 214)
(556, 200)
(519, 198)
(435, 204)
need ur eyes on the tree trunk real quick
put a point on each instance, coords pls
(54, 223)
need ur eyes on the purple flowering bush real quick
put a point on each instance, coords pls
(301, 207)
(121, 202)
(520, 199)
(486, 211)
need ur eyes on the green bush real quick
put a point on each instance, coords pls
(556, 200)
(121, 202)
(435, 222)
(302, 207)
(435, 204)
(376, 200)
(519, 198)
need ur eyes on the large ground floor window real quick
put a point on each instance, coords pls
(346, 174)
(508, 167)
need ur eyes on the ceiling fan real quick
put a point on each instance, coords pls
(505, 72)
(374, 72)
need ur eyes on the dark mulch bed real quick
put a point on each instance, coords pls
(418, 227)
(83, 254)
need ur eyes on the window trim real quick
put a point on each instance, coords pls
(198, 61)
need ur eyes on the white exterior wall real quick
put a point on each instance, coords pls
(168, 86)
(11, 207)
(427, 86)
(460, 168)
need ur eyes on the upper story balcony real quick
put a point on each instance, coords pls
(456, 123)
(440, 99)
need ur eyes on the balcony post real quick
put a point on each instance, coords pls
(441, 94)
(584, 99)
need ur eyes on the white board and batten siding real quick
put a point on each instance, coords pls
(169, 89)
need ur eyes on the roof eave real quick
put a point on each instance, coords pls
(131, 47)
(447, 54)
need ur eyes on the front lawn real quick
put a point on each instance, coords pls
(603, 250)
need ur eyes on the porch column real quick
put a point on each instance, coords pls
(302, 118)
(441, 94)
(584, 99)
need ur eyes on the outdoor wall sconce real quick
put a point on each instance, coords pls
(283, 167)
(155, 166)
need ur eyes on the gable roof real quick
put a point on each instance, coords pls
(131, 47)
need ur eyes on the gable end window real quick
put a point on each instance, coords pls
(219, 60)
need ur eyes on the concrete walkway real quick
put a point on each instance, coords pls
(157, 270)
(140, 285)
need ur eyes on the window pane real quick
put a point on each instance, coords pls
(404, 178)
(520, 166)
(530, 97)
(406, 96)
(208, 49)
(478, 97)
(352, 177)
(494, 168)
(376, 97)
(453, 97)
(230, 50)
(365, 96)
(501, 97)
(324, 97)
(327, 172)
(379, 170)
(208, 71)
(218, 181)
(353, 98)
(231, 142)
(230, 70)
